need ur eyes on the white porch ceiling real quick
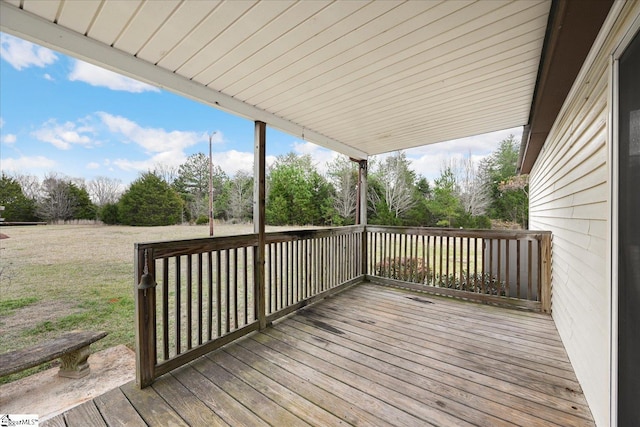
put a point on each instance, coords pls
(359, 77)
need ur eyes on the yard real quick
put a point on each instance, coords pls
(58, 278)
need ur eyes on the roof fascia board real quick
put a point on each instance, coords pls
(539, 126)
(33, 28)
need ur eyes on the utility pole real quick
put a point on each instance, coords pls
(211, 186)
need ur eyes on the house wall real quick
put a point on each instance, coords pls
(570, 195)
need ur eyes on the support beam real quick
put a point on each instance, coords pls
(361, 212)
(361, 209)
(259, 195)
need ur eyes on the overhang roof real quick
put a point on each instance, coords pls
(358, 77)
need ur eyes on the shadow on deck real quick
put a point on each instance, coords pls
(371, 355)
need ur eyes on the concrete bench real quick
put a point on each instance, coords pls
(72, 349)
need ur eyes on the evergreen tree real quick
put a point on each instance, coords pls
(17, 207)
(192, 183)
(298, 194)
(150, 201)
(446, 203)
(500, 168)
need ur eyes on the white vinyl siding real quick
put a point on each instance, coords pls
(569, 195)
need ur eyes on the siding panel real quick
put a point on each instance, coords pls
(570, 193)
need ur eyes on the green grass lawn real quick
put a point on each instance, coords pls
(57, 278)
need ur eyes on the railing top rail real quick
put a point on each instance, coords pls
(291, 235)
(167, 248)
(456, 232)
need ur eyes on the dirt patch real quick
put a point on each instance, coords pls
(14, 324)
(3, 236)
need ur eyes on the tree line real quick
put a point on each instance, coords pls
(466, 194)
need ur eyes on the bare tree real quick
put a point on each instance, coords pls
(471, 184)
(343, 175)
(474, 191)
(104, 190)
(397, 183)
(166, 172)
(30, 185)
(57, 201)
(241, 196)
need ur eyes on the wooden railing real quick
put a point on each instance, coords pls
(502, 267)
(193, 296)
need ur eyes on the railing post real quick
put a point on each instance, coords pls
(145, 321)
(259, 220)
(545, 272)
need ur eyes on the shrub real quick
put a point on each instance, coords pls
(415, 271)
(150, 201)
(109, 214)
(202, 219)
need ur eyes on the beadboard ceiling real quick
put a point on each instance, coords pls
(359, 77)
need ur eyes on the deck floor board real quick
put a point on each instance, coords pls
(371, 355)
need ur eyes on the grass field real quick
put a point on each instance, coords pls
(57, 278)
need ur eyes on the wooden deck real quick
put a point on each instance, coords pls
(370, 356)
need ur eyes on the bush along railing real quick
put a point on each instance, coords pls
(194, 296)
(501, 267)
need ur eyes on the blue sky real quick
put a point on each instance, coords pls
(59, 114)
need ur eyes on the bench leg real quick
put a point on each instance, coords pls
(74, 364)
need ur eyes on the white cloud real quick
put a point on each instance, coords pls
(233, 161)
(93, 165)
(166, 158)
(22, 164)
(321, 156)
(97, 76)
(47, 76)
(9, 139)
(166, 147)
(155, 140)
(23, 54)
(65, 135)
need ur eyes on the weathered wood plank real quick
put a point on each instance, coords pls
(313, 414)
(57, 421)
(487, 314)
(260, 361)
(516, 396)
(450, 342)
(117, 410)
(528, 378)
(153, 409)
(367, 356)
(531, 331)
(339, 387)
(85, 414)
(185, 403)
(430, 394)
(260, 404)
(228, 408)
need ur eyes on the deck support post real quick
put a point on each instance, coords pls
(545, 272)
(259, 195)
(361, 212)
